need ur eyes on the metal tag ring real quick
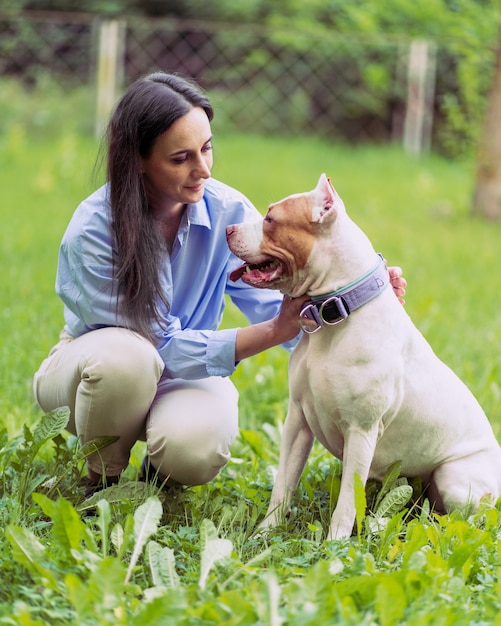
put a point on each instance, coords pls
(304, 328)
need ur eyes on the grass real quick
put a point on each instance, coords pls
(192, 558)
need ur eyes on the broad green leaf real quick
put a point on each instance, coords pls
(106, 586)
(416, 538)
(101, 596)
(103, 522)
(389, 480)
(46, 504)
(78, 596)
(27, 434)
(213, 550)
(128, 534)
(117, 539)
(390, 602)
(460, 560)
(68, 529)
(33, 482)
(85, 451)
(316, 530)
(376, 525)
(30, 553)
(256, 440)
(425, 511)
(93, 446)
(146, 520)
(362, 586)
(208, 533)
(394, 501)
(51, 425)
(170, 607)
(131, 490)
(162, 565)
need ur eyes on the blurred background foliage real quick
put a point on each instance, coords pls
(350, 57)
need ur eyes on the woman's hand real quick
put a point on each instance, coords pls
(285, 326)
(282, 328)
(287, 320)
(398, 282)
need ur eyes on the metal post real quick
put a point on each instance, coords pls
(109, 69)
(420, 93)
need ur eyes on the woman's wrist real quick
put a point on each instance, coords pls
(254, 339)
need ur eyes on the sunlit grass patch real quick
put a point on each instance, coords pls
(199, 558)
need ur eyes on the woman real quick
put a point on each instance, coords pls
(143, 270)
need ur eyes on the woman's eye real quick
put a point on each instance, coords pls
(207, 148)
(268, 219)
(179, 160)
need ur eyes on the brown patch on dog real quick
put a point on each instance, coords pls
(288, 232)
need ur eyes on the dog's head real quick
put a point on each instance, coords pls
(279, 250)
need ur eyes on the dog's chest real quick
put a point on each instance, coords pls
(312, 389)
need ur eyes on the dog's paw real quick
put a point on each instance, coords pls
(262, 533)
(267, 526)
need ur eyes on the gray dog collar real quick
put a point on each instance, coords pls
(333, 308)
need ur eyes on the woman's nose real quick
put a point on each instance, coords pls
(203, 168)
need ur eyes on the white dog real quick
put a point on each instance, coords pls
(362, 380)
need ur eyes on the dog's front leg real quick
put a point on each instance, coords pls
(297, 440)
(358, 452)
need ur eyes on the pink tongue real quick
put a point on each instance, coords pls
(238, 273)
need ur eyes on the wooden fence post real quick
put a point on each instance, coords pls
(110, 69)
(420, 94)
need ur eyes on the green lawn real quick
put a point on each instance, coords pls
(196, 561)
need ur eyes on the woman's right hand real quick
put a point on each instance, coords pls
(287, 319)
(283, 327)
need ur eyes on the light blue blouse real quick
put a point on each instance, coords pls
(195, 278)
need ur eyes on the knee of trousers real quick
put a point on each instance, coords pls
(105, 364)
(197, 450)
(123, 363)
(191, 465)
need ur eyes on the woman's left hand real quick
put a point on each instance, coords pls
(398, 282)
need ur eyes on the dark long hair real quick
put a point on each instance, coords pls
(145, 111)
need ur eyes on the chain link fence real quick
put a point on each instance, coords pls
(284, 82)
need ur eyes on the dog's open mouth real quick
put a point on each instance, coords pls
(258, 274)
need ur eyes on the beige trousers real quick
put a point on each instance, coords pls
(111, 379)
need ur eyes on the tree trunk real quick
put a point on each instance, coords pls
(487, 196)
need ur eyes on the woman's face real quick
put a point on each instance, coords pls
(180, 162)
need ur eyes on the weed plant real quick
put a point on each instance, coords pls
(136, 555)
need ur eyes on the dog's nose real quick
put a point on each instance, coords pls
(229, 230)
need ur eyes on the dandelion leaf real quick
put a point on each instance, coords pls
(394, 501)
(51, 425)
(162, 565)
(213, 550)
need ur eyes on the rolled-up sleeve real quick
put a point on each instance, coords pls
(192, 354)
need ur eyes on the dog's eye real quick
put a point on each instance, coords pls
(268, 219)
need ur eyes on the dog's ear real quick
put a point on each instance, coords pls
(326, 200)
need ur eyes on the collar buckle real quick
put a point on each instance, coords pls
(333, 311)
